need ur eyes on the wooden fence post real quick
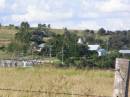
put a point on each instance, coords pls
(121, 83)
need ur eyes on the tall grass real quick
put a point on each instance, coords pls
(96, 82)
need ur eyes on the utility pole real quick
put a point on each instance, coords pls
(62, 55)
(50, 49)
(107, 44)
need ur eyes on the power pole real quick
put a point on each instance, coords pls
(50, 49)
(107, 44)
(62, 55)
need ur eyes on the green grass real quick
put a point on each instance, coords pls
(102, 37)
(5, 55)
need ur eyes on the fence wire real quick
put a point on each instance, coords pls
(48, 92)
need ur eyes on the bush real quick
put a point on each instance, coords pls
(107, 61)
(2, 48)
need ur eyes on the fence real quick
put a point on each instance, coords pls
(19, 63)
(48, 92)
(120, 85)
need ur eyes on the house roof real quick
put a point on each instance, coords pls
(124, 51)
(41, 45)
(93, 47)
(80, 41)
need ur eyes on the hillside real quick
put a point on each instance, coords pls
(6, 35)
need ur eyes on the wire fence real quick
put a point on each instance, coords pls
(48, 92)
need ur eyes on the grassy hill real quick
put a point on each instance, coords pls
(6, 35)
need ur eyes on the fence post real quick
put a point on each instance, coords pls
(121, 83)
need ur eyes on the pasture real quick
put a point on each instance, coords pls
(90, 82)
(6, 35)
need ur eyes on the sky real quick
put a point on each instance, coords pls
(73, 14)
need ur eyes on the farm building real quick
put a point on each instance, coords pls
(98, 49)
(94, 47)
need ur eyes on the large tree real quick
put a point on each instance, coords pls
(119, 40)
(21, 42)
(101, 31)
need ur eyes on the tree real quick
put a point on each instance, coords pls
(23, 35)
(65, 47)
(39, 27)
(49, 26)
(44, 27)
(89, 36)
(118, 40)
(21, 43)
(101, 31)
(66, 33)
(0, 25)
(24, 27)
(11, 26)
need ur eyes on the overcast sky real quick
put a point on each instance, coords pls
(74, 14)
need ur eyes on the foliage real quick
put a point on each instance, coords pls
(106, 61)
(120, 40)
(17, 47)
(101, 31)
(65, 47)
(89, 36)
(44, 27)
(22, 39)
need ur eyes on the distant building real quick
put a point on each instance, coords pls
(38, 42)
(102, 52)
(40, 47)
(124, 51)
(98, 49)
(80, 41)
(94, 47)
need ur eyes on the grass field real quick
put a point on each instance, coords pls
(95, 82)
(6, 35)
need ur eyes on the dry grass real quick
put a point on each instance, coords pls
(6, 35)
(97, 82)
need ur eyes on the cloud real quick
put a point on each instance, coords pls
(88, 25)
(82, 14)
(117, 23)
(37, 14)
(2, 4)
(113, 6)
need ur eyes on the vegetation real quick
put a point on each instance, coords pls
(62, 44)
(94, 82)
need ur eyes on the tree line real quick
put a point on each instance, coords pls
(65, 46)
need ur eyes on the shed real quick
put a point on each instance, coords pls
(124, 51)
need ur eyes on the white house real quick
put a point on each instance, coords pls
(98, 49)
(94, 47)
(80, 41)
